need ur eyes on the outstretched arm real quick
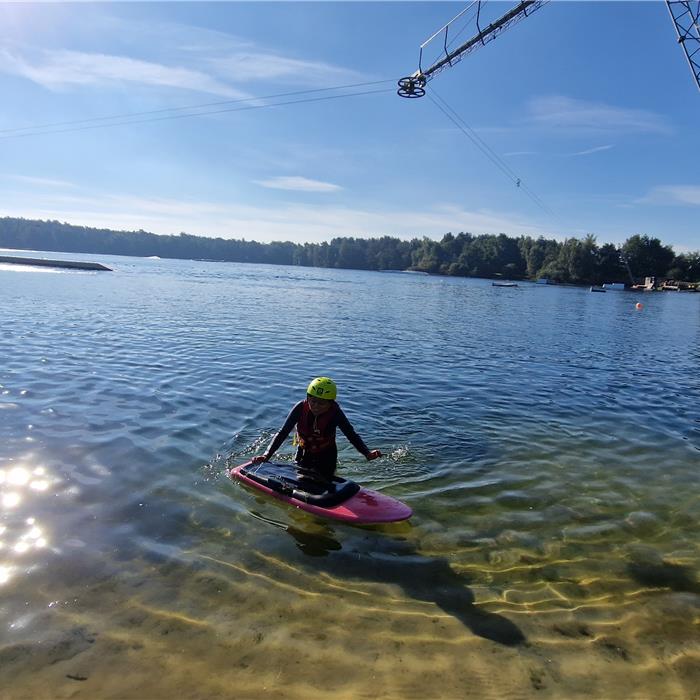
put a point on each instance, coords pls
(281, 436)
(355, 440)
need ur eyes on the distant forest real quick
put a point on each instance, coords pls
(577, 261)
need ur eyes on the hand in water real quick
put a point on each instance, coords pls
(373, 455)
(260, 458)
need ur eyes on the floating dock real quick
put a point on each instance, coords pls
(43, 262)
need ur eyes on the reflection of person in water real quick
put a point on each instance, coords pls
(430, 579)
(314, 544)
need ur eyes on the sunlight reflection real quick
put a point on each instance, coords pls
(5, 574)
(21, 536)
(18, 476)
(10, 499)
(28, 268)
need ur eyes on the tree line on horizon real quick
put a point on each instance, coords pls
(576, 261)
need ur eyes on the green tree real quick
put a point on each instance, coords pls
(686, 267)
(577, 259)
(427, 256)
(464, 254)
(647, 256)
(537, 254)
(609, 267)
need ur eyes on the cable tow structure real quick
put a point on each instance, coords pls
(414, 85)
(685, 15)
(686, 19)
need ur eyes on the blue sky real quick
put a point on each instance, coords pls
(592, 105)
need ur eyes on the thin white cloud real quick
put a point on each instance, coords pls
(558, 112)
(298, 184)
(589, 151)
(41, 181)
(239, 59)
(674, 194)
(257, 65)
(60, 69)
(287, 222)
(190, 57)
(292, 222)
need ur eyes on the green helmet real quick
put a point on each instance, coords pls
(322, 388)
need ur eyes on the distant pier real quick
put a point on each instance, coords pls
(42, 262)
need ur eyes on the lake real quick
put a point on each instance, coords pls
(547, 439)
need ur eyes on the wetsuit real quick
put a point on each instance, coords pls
(317, 452)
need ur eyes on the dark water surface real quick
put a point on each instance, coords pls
(548, 440)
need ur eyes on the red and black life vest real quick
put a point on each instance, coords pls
(316, 433)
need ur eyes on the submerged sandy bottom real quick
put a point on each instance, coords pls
(220, 626)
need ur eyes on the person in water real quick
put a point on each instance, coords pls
(316, 419)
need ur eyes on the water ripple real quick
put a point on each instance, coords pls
(546, 440)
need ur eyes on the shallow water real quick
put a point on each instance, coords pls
(548, 440)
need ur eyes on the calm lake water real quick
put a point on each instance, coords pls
(548, 440)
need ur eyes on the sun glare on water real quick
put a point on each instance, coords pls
(21, 535)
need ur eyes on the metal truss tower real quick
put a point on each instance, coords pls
(686, 18)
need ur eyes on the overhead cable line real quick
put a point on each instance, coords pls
(177, 112)
(467, 130)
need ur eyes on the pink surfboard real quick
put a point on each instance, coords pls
(346, 501)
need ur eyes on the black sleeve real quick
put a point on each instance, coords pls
(281, 436)
(350, 434)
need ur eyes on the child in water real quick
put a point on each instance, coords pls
(316, 419)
